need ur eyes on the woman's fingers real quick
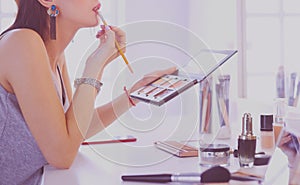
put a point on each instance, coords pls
(286, 137)
(100, 33)
(151, 77)
(120, 34)
(160, 73)
(170, 70)
(120, 37)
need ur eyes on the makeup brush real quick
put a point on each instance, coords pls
(213, 175)
(117, 44)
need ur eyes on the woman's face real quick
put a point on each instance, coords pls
(78, 13)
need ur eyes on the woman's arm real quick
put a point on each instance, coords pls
(104, 115)
(108, 113)
(28, 72)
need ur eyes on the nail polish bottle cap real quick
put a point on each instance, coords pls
(266, 122)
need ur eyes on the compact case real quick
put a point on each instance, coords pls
(214, 154)
(167, 87)
(177, 148)
(163, 89)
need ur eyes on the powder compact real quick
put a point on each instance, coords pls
(214, 154)
(169, 86)
(163, 89)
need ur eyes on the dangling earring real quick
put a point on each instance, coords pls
(53, 12)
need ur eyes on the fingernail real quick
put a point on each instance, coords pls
(99, 33)
(107, 27)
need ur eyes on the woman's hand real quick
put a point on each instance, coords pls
(151, 77)
(289, 150)
(106, 47)
(120, 37)
(106, 50)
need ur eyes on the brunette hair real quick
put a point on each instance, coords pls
(32, 15)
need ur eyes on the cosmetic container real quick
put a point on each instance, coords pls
(266, 133)
(246, 143)
(214, 155)
(279, 116)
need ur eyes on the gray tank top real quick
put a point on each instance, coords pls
(21, 161)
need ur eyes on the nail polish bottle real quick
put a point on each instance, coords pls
(246, 143)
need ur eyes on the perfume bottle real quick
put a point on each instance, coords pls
(246, 142)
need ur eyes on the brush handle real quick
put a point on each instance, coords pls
(117, 45)
(159, 178)
(123, 56)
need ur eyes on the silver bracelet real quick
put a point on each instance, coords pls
(90, 81)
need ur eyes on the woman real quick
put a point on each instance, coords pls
(40, 121)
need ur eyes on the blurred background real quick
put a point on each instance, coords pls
(264, 32)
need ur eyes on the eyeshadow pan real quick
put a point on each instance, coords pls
(163, 89)
(156, 91)
(169, 83)
(159, 81)
(146, 89)
(162, 93)
(151, 90)
(178, 84)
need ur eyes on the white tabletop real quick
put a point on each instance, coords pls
(91, 167)
(106, 163)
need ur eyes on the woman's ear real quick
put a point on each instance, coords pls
(46, 3)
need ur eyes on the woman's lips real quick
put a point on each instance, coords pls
(97, 7)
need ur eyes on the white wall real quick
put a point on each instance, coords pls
(158, 38)
(215, 22)
(177, 29)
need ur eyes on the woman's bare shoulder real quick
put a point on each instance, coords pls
(22, 49)
(21, 32)
(21, 43)
(22, 38)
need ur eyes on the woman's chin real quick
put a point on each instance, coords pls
(96, 23)
(91, 23)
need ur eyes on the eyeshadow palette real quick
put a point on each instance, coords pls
(167, 87)
(163, 89)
